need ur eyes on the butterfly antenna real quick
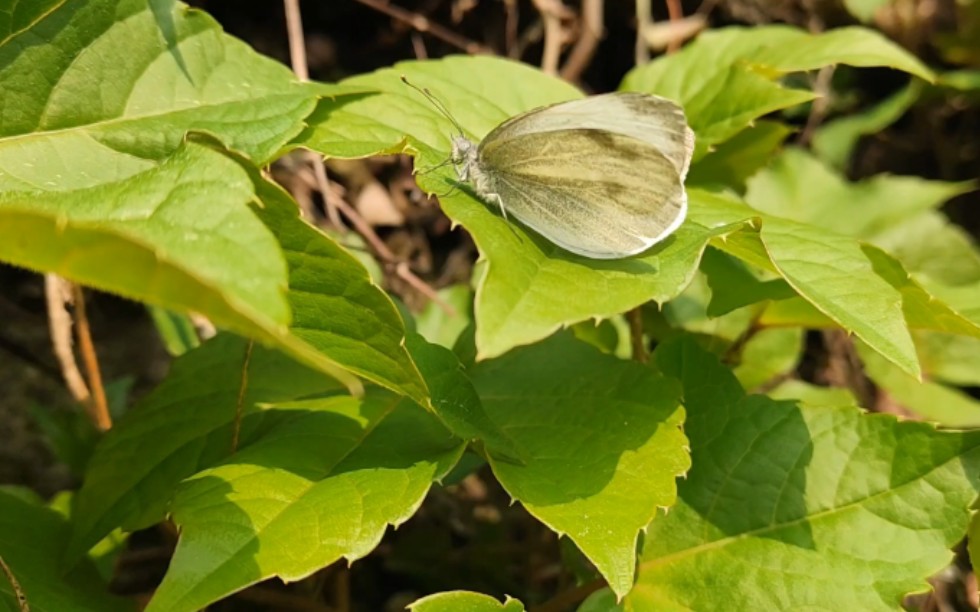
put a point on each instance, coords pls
(435, 102)
(441, 164)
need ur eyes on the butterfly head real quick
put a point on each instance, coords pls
(464, 157)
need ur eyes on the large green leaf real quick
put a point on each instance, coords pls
(777, 492)
(339, 315)
(99, 182)
(32, 543)
(118, 83)
(798, 186)
(464, 601)
(179, 234)
(523, 292)
(454, 399)
(322, 482)
(601, 442)
(182, 235)
(834, 142)
(830, 271)
(933, 401)
(183, 426)
(726, 78)
(735, 160)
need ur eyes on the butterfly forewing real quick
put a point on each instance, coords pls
(653, 120)
(594, 192)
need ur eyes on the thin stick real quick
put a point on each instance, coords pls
(552, 35)
(99, 407)
(18, 591)
(820, 106)
(584, 49)
(635, 318)
(57, 292)
(424, 25)
(676, 13)
(382, 251)
(644, 19)
(297, 42)
(418, 46)
(297, 57)
(510, 27)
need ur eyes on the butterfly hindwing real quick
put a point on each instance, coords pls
(594, 192)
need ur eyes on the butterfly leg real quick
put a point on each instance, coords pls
(496, 199)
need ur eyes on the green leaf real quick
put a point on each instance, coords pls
(455, 400)
(179, 234)
(922, 309)
(929, 244)
(182, 426)
(340, 317)
(442, 328)
(734, 161)
(601, 440)
(32, 544)
(798, 186)
(464, 601)
(118, 83)
(933, 401)
(961, 80)
(177, 331)
(950, 359)
(834, 142)
(522, 293)
(734, 285)
(689, 311)
(725, 78)
(322, 482)
(778, 491)
(865, 9)
(830, 271)
(835, 275)
(768, 355)
(812, 394)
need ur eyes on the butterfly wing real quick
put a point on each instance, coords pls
(656, 121)
(594, 192)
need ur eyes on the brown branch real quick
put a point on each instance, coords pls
(424, 25)
(635, 319)
(510, 27)
(820, 106)
(644, 20)
(297, 57)
(584, 49)
(57, 293)
(18, 591)
(551, 14)
(676, 13)
(98, 407)
(297, 42)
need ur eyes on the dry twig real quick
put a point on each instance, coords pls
(297, 57)
(15, 585)
(333, 205)
(676, 13)
(98, 407)
(552, 13)
(584, 49)
(644, 21)
(426, 26)
(57, 293)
